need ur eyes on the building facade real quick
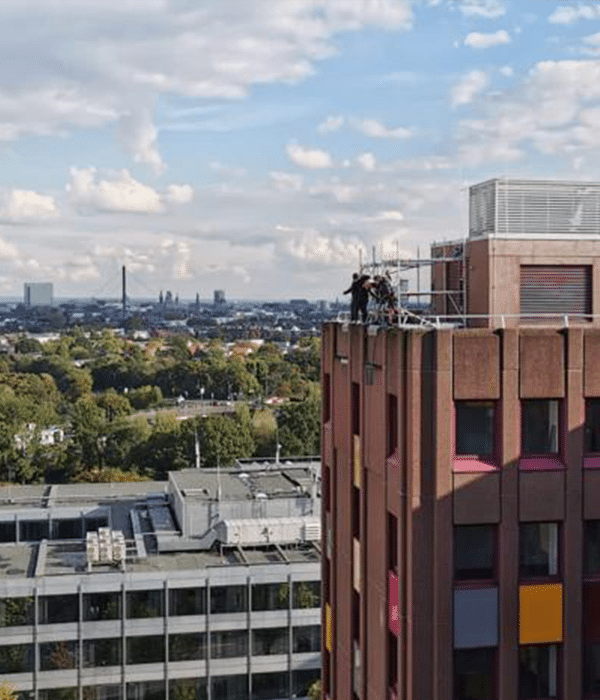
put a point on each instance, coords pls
(38, 294)
(211, 593)
(461, 492)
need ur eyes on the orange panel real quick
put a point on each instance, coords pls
(540, 613)
(328, 643)
(357, 461)
(356, 564)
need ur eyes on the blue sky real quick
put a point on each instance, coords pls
(259, 145)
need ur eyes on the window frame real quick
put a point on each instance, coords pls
(493, 457)
(477, 582)
(495, 668)
(549, 578)
(558, 694)
(588, 401)
(560, 442)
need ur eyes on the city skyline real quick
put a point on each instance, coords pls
(258, 146)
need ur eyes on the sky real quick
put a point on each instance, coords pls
(261, 146)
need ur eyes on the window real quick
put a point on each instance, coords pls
(228, 599)
(355, 512)
(270, 640)
(33, 530)
(302, 681)
(102, 692)
(230, 687)
(475, 428)
(54, 609)
(8, 531)
(66, 529)
(187, 601)
(591, 669)
(474, 674)
(475, 552)
(326, 397)
(355, 408)
(307, 639)
(326, 486)
(392, 661)
(15, 612)
(57, 656)
(188, 689)
(144, 604)
(538, 672)
(102, 652)
(187, 647)
(591, 547)
(307, 594)
(270, 686)
(101, 606)
(538, 550)
(145, 650)
(16, 658)
(94, 523)
(392, 527)
(228, 644)
(392, 424)
(58, 694)
(592, 425)
(146, 690)
(539, 426)
(271, 596)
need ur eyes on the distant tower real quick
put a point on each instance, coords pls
(124, 291)
(176, 299)
(38, 294)
(197, 300)
(169, 298)
(161, 299)
(219, 297)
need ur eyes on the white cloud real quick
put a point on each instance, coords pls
(491, 9)
(312, 158)
(26, 204)
(330, 125)
(377, 130)
(479, 40)
(180, 194)
(139, 136)
(570, 15)
(287, 182)
(323, 249)
(8, 251)
(592, 39)
(506, 71)
(389, 215)
(367, 161)
(469, 87)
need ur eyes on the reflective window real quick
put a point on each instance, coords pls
(228, 644)
(302, 681)
(270, 686)
(475, 428)
(102, 692)
(187, 601)
(56, 656)
(16, 658)
(538, 549)
(591, 669)
(538, 671)
(102, 652)
(307, 639)
(24, 695)
(188, 689)
(474, 552)
(53, 609)
(474, 674)
(145, 650)
(8, 531)
(15, 612)
(307, 594)
(228, 599)
(540, 425)
(591, 547)
(58, 694)
(68, 529)
(101, 606)
(187, 647)
(146, 690)
(145, 604)
(33, 530)
(270, 596)
(230, 687)
(270, 640)
(592, 425)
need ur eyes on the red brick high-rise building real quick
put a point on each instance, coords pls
(461, 468)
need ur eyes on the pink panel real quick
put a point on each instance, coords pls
(394, 605)
(591, 462)
(394, 460)
(472, 464)
(534, 463)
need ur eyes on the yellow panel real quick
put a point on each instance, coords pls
(356, 564)
(540, 613)
(328, 643)
(357, 461)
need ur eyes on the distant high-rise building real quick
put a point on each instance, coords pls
(38, 293)
(161, 299)
(169, 298)
(219, 297)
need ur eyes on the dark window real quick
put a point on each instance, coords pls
(101, 606)
(392, 661)
(188, 689)
(24, 695)
(58, 694)
(540, 426)
(355, 615)
(271, 596)
(392, 526)
(187, 601)
(475, 428)
(66, 529)
(326, 678)
(53, 609)
(538, 550)
(228, 644)
(591, 547)
(15, 612)
(187, 647)
(102, 652)
(33, 530)
(474, 552)
(102, 692)
(355, 512)
(270, 686)
(57, 656)
(8, 531)
(538, 672)
(592, 425)
(326, 398)
(145, 650)
(307, 639)
(307, 594)
(145, 604)
(270, 640)
(146, 690)
(230, 687)
(474, 674)
(326, 487)
(591, 669)
(228, 599)
(355, 408)
(16, 658)
(94, 523)
(302, 680)
(392, 424)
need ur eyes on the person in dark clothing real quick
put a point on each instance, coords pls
(353, 289)
(364, 285)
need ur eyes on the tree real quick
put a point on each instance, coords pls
(89, 427)
(114, 405)
(145, 396)
(300, 428)
(223, 439)
(108, 475)
(28, 345)
(314, 692)
(7, 691)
